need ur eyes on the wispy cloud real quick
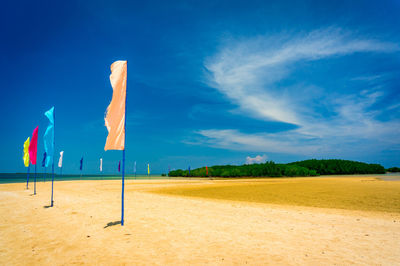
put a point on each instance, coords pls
(249, 74)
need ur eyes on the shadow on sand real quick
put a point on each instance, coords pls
(112, 224)
(47, 206)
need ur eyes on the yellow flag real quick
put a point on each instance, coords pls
(115, 115)
(148, 169)
(26, 152)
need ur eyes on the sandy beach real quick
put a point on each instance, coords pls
(173, 230)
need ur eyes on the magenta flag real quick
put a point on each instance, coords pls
(119, 166)
(33, 146)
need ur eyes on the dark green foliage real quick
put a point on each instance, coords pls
(254, 170)
(303, 168)
(163, 174)
(393, 169)
(340, 167)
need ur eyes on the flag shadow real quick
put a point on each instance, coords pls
(112, 224)
(47, 206)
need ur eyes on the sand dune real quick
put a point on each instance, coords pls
(174, 230)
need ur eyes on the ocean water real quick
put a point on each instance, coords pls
(40, 177)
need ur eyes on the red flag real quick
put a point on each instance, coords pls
(33, 146)
(206, 170)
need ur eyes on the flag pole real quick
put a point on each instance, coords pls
(54, 148)
(123, 154)
(44, 176)
(34, 190)
(27, 176)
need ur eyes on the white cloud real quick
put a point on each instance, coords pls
(257, 159)
(247, 73)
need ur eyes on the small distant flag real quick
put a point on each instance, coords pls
(119, 166)
(134, 168)
(81, 166)
(33, 146)
(101, 164)
(206, 170)
(148, 169)
(26, 152)
(189, 169)
(44, 159)
(60, 161)
(115, 114)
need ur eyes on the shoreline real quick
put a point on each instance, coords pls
(39, 178)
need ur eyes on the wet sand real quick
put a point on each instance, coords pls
(173, 230)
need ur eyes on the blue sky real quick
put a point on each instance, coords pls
(209, 82)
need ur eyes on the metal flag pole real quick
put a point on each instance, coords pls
(27, 176)
(54, 148)
(34, 190)
(123, 155)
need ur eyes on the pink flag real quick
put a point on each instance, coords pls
(33, 146)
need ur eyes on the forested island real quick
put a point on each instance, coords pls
(311, 167)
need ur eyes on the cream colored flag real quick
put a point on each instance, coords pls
(61, 159)
(115, 115)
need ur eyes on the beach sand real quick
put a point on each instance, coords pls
(173, 230)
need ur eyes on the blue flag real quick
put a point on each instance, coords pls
(80, 167)
(48, 137)
(44, 159)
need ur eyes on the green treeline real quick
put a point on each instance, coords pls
(393, 169)
(340, 167)
(270, 169)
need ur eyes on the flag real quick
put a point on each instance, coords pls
(44, 159)
(206, 170)
(119, 166)
(189, 169)
(26, 152)
(101, 164)
(148, 169)
(115, 114)
(134, 168)
(61, 159)
(33, 146)
(49, 136)
(80, 167)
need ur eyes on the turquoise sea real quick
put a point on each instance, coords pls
(21, 177)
